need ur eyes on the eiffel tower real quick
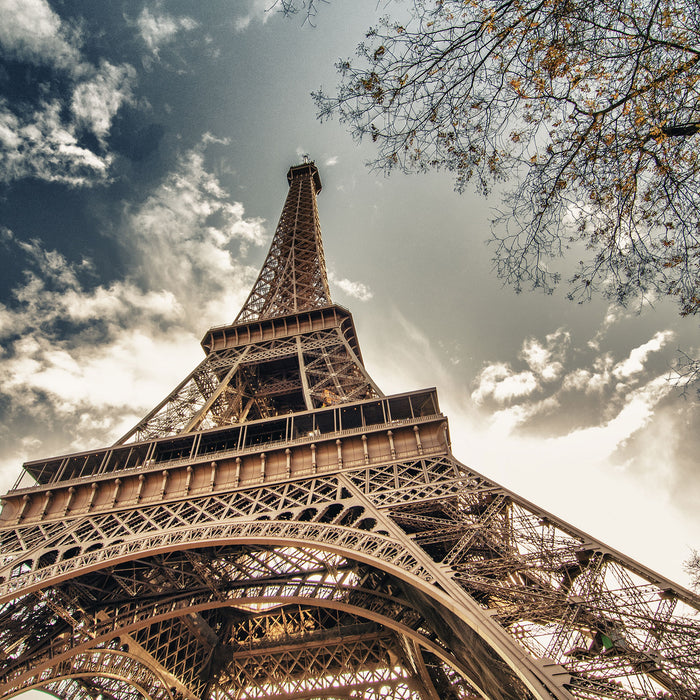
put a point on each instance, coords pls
(277, 527)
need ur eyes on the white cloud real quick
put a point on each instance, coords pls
(505, 420)
(331, 161)
(95, 380)
(634, 364)
(258, 11)
(88, 360)
(578, 380)
(160, 28)
(56, 294)
(356, 290)
(43, 139)
(590, 381)
(546, 359)
(97, 99)
(499, 382)
(44, 146)
(191, 254)
(31, 31)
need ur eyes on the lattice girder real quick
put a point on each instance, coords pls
(293, 277)
(105, 671)
(156, 620)
(557, 593)
(260, 380)
(89, 688)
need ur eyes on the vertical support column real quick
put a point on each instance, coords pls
(26, 500)
(115, 493)
(237, 476)
(47, 501)
(392, 447)
(263, 458)
(447, 433)
(304, 379)
(139, 488)
(339, 448)
(163, 484)
(93, 493)
(419, 444)
(69, 500)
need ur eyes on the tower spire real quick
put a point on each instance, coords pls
(290, 348)
(293, 278)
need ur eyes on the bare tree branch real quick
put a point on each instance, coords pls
(692, 568)
(685, 375)
(590, 107)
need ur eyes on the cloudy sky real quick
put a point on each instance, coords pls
(143, 152)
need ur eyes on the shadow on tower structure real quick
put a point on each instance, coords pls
(278, 528)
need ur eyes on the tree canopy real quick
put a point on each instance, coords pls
(589, 108)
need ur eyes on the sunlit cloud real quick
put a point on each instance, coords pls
(174, 228)
(43, 146)
(634, 364)
(42, 139)
(355, 290)
(86, 360)
(593, 380)
(546, 359)
(506, 420)
(498, 381)
(96, 100)
(31, 31)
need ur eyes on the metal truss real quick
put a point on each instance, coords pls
(276, 527)
(293, 277)
(162, 574)
(260, 380)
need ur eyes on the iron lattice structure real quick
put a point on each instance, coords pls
(277, 527)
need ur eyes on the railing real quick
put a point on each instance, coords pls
(156, 465)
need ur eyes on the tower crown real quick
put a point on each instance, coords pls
(293, 278)
(304, 169)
